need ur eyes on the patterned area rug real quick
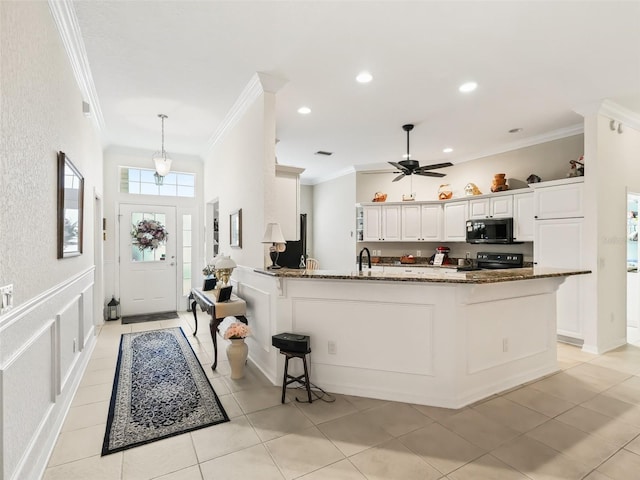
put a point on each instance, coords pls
(160, 390)
(149, 317)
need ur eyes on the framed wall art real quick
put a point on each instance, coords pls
(235, 230)
(70, 208)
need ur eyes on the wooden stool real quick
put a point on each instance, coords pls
(302, 379)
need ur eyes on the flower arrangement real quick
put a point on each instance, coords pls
(209, 270)
(237, 330)
(149, 234)
(232, 329)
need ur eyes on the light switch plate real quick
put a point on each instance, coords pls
(6, 298)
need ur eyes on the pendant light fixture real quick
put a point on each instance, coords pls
(160, 159)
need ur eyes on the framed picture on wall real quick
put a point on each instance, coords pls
(235, 230)
(70, 208)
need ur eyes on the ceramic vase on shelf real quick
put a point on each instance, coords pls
(237, 352)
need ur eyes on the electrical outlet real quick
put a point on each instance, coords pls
(6, 298)
(332, 347)
(467, 255)
(418, 253)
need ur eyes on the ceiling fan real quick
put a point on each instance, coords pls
(412, 167)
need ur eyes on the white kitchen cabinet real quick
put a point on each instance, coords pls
(421, 222)
(455, 219)
(381, 223)
(523, 221)
(494, 207)
(559, 243)
(371, 223)
(558, 199)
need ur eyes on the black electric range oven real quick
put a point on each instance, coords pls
(495, 261)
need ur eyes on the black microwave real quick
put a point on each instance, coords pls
(490, 230)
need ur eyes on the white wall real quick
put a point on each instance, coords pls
(48, 337)
(240, 172)
(612, 170)
(334, 238)
(549, 160)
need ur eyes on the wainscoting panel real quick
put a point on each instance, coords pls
(257, 314)
(500, 339)
(41, 364)
(399, 337)
(29, 377)
(68, 323)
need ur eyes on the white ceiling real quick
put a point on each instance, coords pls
(536, 62)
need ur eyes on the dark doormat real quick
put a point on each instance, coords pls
(149, 317)
(159, 390)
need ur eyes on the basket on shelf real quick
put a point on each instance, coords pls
(379, 197)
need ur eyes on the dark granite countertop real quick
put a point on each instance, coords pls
(430, 275)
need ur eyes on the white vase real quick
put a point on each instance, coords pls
(237, 352)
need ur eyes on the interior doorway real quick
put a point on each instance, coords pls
(212, 233)
(633, 280)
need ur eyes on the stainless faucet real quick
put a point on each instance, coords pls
(360, 258)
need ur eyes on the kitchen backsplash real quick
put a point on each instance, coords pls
(458, 249)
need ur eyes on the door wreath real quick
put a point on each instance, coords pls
(149, 234)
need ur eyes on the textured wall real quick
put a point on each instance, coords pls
(47, 338)
(41, 114)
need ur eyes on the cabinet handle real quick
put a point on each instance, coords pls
(535, 216)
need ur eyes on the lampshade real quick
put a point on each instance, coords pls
(273, 234)
(225, 262)
(162, 163)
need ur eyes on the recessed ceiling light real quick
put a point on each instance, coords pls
(304, 110)
(364, 77)
(468, 87)
(515, 130)
(447, 150)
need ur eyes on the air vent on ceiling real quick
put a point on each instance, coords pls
(322, 152)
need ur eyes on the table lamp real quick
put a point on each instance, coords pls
(225, 266)
(273, 235)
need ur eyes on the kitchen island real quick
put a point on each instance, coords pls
(439, 337)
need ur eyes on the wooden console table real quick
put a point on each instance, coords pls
(208, 301)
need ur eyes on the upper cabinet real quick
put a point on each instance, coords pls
(421, 222)
(455, 218)
(381, 223)
(287, 204)
(558, 198)
(523, 221)
(496, 207)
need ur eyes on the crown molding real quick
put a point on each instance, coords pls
(66, 22)
(526, 142)
(258, 84)
(612, 110)
(618, 112)
(326, 178)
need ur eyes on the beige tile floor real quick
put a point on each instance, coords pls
(583, 422)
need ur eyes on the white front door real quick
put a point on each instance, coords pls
(147, 276)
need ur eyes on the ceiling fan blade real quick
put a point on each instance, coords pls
(434, 166)
(399, 177)
(399, 166)
(431, 174)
